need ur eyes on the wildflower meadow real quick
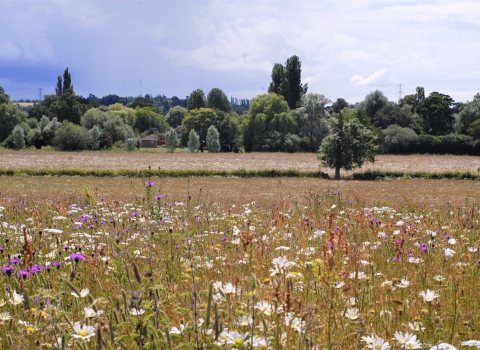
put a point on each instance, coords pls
(326, 271)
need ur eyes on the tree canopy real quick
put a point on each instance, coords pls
(196, 100)
(311, 119)
(216, 99)
(287, 81)
(436, 114)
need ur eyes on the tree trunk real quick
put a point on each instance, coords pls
(337, 173)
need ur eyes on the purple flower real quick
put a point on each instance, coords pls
(7, 269)
(446, 236)
(15, 261)
(24, 274)
(134, 214)
(91, 226)
(77, 257)
(424, 247)
(149, 183)
(224, 239)
(37, 268)
(65, 247)
(158, 197)
(197, 219)
(57, 264)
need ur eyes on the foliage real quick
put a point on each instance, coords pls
(196, 100)
(10, 116)
(349, 146)
(114, 130)
(311, 119)
(95, 137)
(92, 117)
(127, 114)
(171, 139)
(373, 102)
(397, 139)
(142, 102)
(287, 82)
(216, 99)
(4, 98)
(213, 142)
(71, 137)
(469, 114)
(267, 112)
(274, 141)
(147, 118)
(199, 120)
(392, 114)
(176, 115)
(474, 129)
(436, 114)
(18, 137)
(193, 141)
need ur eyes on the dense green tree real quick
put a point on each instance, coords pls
(4, 98)
(213, 141)
(349, 146)
(196, 100)
(92, 117)
(216, 99)
(143, 102)
(175, 116)
(393, 114)
(95, 135)
(59, 87)
(67, 80)
(171, 139)
(373, 102)
(146, 118)
(287, 81)
(127, 114)
(114, 130)
(193, 141)
(18, 137)
(311, 119)
(269, 112)
(67, 107)
(277, 85)
(469, 113)
(110, 100)
(199, 120)
(10, 115)
(293, 82)
(397, 139)
(71, 137)
(436, 114)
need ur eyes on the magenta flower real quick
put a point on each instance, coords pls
(77, 257)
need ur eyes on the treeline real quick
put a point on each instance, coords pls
(287, 119)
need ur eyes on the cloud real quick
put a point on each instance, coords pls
(381, 78)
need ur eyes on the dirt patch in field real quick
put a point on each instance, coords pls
(222, 161)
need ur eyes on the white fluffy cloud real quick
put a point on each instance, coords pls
(381, 78)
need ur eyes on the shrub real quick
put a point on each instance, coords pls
(291, 143)
(213, 142)
(193, 141)
(18, 137)
(398, 140)
(95, 134)
(171, 139)
(71, 137)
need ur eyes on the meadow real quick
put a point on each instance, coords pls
(233, 263)
(181, 160)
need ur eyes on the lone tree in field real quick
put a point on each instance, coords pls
(171, 139)
(213, 142)
(193, 141)
(349, 146)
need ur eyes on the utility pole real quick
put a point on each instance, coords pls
(399, 92)
(40, 94)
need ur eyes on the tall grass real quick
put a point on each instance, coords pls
(165, 273)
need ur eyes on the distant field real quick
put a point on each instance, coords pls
(25, 104)
(222, 161)
(239, 190)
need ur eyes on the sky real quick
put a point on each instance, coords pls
(347, 48)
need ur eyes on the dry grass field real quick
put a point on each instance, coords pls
(222, 161)
(268, 191)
